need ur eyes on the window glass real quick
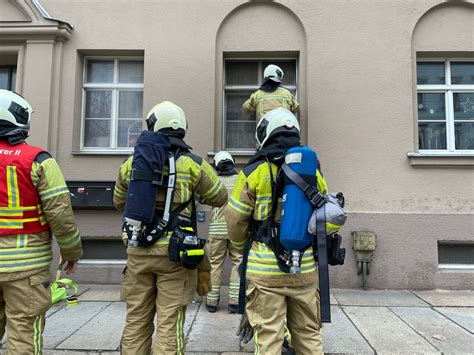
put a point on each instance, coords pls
(464, 133)
(13, 81)
(130, 71)
(463, 106)
(241, 73)
(430, 73)
(97, 133)
(240, 135)
(432, 135)
(234, 102)
(462, 72)
(289, 70)
(431, 106)
(100, 71)
(130, 104)
(98, 104)
(4, 78)
(128, 132)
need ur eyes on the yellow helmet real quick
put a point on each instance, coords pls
(273, 72)
(279, 120)
(222, 156)
(166, 115)
(15, 114)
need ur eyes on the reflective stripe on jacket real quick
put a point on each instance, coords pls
(193, 175)
(22, 254)
(217, 225)
(263, 102)
(251, 198)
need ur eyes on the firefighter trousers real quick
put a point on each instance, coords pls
(155, 285)
(23, 305)
(217, 251)
(267, 309)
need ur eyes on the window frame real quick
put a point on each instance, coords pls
(12, 71)
(236, 88)
(448, 90)
(115, 87)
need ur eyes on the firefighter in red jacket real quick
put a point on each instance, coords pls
(34, 204)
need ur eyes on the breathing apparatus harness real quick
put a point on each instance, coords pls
(144, 231)
(326, 248)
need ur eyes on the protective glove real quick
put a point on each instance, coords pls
(204, 282)
(245, 330)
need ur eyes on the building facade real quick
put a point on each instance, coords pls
(386, 91)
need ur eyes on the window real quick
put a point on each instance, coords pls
(8, 77)
(445, 93)
(112, 103)
(241, 79)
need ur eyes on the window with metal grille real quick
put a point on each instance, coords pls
(241, 78)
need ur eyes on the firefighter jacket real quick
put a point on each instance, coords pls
(263, 102)
(251, 200)
(34, 204)
(194, 175)
(217, 224)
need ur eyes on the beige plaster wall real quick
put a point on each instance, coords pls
(357, 91)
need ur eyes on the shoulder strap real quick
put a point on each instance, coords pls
(311, 191)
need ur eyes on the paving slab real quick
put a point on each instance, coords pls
(438, 330)
(462, 316)
(340, 336)
(221, 325)
(447, 298)
(101, 293)
(387, 333)
(191, 312)
(377, 298)
(62, 324)
(108, 323)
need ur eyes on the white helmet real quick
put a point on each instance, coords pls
(273, 72)
(276, 121)
(15, 114)
(166, 115)
(222, 156)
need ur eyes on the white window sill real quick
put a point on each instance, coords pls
(456, 267)
(103, 152)
(439, 159)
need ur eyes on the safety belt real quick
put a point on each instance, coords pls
(318, 201)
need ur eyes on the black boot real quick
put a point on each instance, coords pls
(233, 308)
(211, 309)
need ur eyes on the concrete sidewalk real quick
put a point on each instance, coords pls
(366, 322)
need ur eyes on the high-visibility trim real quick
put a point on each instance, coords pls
(163, 240)
(70, 240)
(213, 191)
(331, 228)
(18, 208)
(211, 296)
(11, 225)
(52, 192)
(262, 211)
(265, 198)
(179, 331)
(255, 336)
(11, 213)
(38, 334)
(24, 252)
(182, 177)
(12, 187)
(193, 252)
(240, 207)
(18, 265)
(260, 270)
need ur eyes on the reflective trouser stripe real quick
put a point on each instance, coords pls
(37, 334)
(179, 331)
(257, 347)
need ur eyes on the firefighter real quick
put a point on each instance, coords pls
(272, 294)
(34, 204)
(153, 284)
(271, 94)
(218, 243)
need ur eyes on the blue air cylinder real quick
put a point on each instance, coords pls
(296, 208)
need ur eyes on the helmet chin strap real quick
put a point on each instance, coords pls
(17, 138)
